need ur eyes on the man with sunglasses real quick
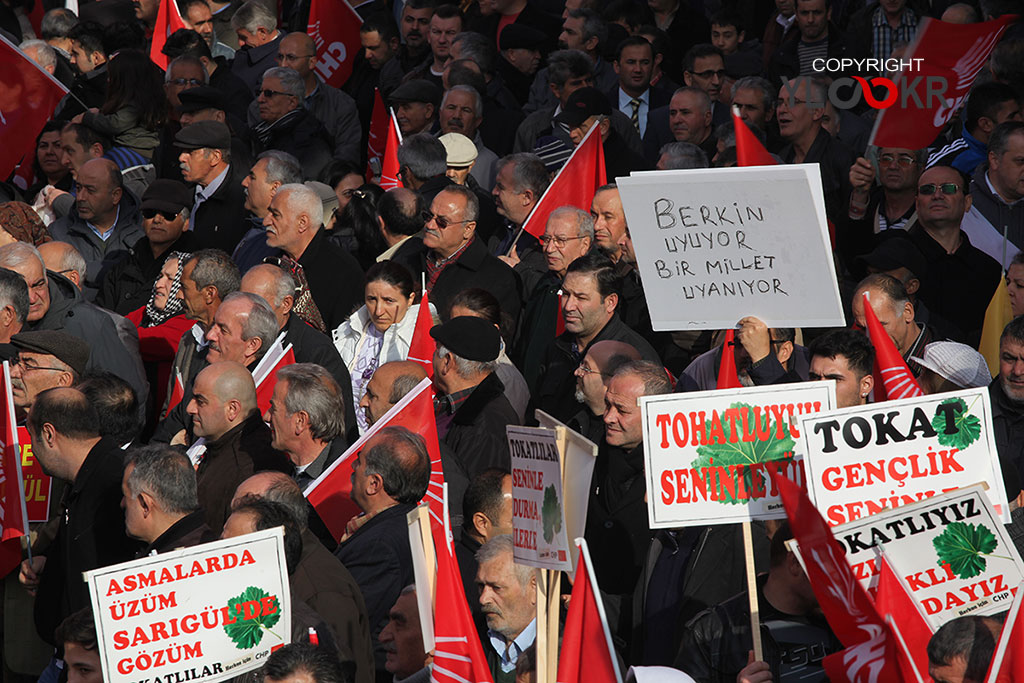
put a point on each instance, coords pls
(960, 278)
(888, 204)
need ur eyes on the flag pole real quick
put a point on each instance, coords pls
(755, 616)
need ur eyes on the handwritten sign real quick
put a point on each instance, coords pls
(206, 613)
(709, 454)
(538, 515)
(715, 245)
(37, 483)
(951, 550)
(866, 459)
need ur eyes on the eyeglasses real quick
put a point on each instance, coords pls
(268, 93)
(185, 81)
(150, 214)
(560, 242)
(292, 58)
(587, 371)
(944, 188)
(441, 221)
(710, 73)
(904, 160)
(28, 367)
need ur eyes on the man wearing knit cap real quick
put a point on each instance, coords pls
(46, 359)
(471, 409)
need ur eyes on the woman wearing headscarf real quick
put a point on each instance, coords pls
(161, 322)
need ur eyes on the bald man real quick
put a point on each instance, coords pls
(104, 223)
(232, 441)
(592, 377)
(320, 580)
(277, 287)
(333, 108)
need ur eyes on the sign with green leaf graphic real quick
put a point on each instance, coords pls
(952, 551)
(206, 613)
(538, 514)
(709, 454)
(866, 459)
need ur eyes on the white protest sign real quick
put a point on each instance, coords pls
(579, 457)
(715, 245)
(538, 518)
(951, 550)
(709, 454)
(206, 613)
(866, 459)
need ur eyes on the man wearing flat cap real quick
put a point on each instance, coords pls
(416, 103)
(218, 218)
(128, 285)
(461, 156)
(46, 359)
(588, 107)
(520, 58)
(207, 103)
(471, 408)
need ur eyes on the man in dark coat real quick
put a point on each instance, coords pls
(161, 506)
(377, 552)
(471, 408)
(487, 513)
(237, 441)
(330, 279)
(286, 124)
(1007, 394)
(591, 291)
(256, 26)
(90, 532)
(128, 284)
(218, 217)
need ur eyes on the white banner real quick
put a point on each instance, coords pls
(866, 459)
(709, 454)
(206, 613)
(716, 245)
(538, 515)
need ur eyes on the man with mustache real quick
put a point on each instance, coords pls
(462, 111)
(414, 25)
(890, 204)
(402, 640)
(45, 360)
(508, 600)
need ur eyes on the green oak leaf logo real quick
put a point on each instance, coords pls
(968, 426)
(964, 546)
(247, 633)
(551, 513)
(744, 452)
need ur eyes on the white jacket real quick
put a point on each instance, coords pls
(351, 335)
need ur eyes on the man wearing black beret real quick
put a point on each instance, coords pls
(471, 409)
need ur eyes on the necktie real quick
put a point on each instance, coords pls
(304, 306)
(635, 118)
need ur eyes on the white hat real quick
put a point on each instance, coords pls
(958, 363)
(461, 150)
(657, 674)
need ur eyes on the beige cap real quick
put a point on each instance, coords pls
(461, 150)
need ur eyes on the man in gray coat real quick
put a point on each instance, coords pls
(104, 223)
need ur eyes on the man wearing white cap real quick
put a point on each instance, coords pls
(950, 366)
(462, 154)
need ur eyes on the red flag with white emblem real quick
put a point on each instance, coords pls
(13, 515)
(334, 27)
(389, 166)
(168, 20)
(893, 379)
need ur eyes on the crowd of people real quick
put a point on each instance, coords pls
(181, 222)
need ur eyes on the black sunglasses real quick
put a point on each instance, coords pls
(150, 214)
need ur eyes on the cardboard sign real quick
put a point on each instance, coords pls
(866, 459)
(37, 483)
(538, 517)
(579, 455)
(714, 245)
(951, 550)
(206, 613)
(709, 454)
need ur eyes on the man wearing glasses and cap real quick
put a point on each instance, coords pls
(958, 275)
(46, 359)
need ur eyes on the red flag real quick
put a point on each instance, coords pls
(266, 377)
(13, 515)
(389, 167)
(947, 57)
(1008, 663)
(168, 20)
(331, 493)
(334, 27)
(727, 377)
(872, 661)
(28, 98)
(38, 484)
(893, 379)
(35, 17)
(894, 602)
(559, 317)
(574, 185)
(458, 655)
(378, 136)
(421, 348)
(749, 150)
(587, 654)
(177, 393)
